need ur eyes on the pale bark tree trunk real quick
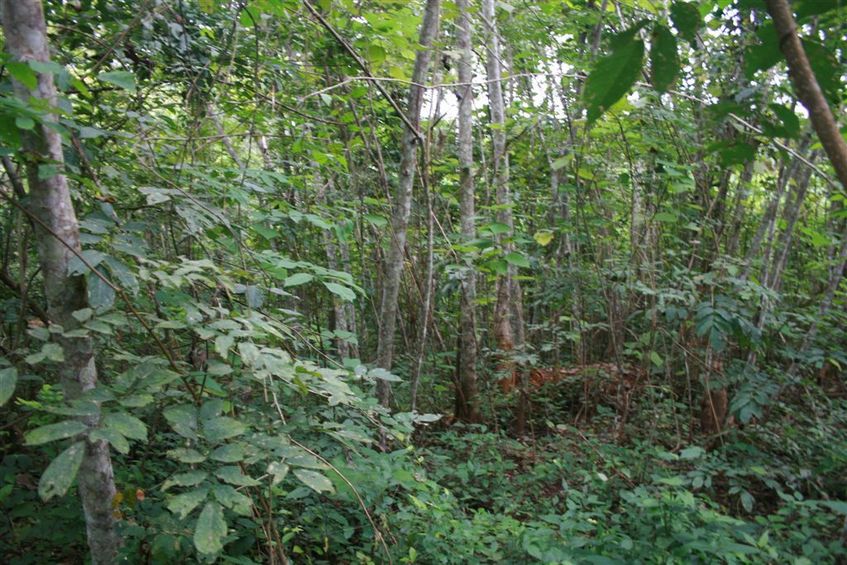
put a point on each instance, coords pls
(50, 204)
(810, 94)
(467, 401)
(403, 200)
(807, 88)
(214, 116)
(792, 212)
(508, 311)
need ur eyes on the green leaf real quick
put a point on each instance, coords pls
(8, 380)
(382, 374)
(186, 455)
(297, 279)
(686, 19)
(49, 351)
(23, 73)
(612, 77)
(233, 475)
(183, 504)
(341, 291)
(53, 432)
(189, 479)
(210, 529)
(314, 480)
(61, 472)
(101, 296)
(112, 437)
(517, 259)
(126, 425)
(747, 501)
(789, 119)
(25, 122)
(223, 427)
(692, 452)
(229, 453)
(543, 237)
(232, 499)
(223, 343)
(664, 60)
(278, 470)
(183, 420)
(836, 506)
(123, 79)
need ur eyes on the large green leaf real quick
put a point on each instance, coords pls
(232, 499)
(314, 480)
(8, 379)
(210, 529)
(341, 291)
(61, 472)
(686, 19)
(664, 60)
(189, 479)
(183, 420)
(53, 432)
(183, 504)
(123, 79)
(612, 77)
(221, 428)
(233, 475)
(112, 437)
(126, 425)
(100, 295)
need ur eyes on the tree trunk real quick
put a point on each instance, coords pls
(807, 88)
(403, 200)
(51, 206)
(467, 401)
(508, 330)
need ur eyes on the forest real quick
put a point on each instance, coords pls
(423, 281)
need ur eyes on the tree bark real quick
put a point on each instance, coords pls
(50, 204)
(403, 200)
(807, 88)
(467, 401)
(508, 323)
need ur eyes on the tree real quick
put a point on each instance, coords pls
(58, 241)
(467, 402)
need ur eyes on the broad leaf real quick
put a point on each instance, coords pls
(686, 19)
(664, 60)
(232, 499)
(127, 425)
(53, 432)
(123, 79)
(210, 529)
(612, 77)
(232, 474)
(341, 291)
(314, 480)
(223, 427)
(112, 437)
(8, 380)
(183, 504)
(61, 472)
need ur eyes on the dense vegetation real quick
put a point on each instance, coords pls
(434, 281)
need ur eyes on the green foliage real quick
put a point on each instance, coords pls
(233, 177)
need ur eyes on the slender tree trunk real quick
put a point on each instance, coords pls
(807, 88)
(403, 200)
(467, 401)
(508, 311)
(51, 206)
